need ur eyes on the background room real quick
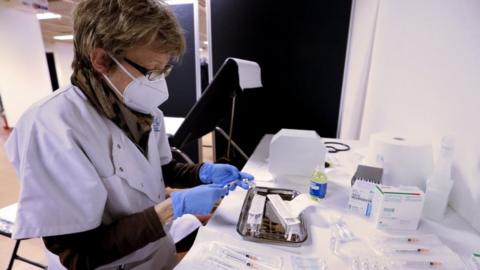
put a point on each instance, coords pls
(346, 69)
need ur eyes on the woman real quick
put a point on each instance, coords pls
(94, 159)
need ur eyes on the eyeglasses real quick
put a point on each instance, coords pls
(152, 75)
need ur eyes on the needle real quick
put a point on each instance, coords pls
(430, 264)
(414, 250)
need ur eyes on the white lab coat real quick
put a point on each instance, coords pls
(79, 170)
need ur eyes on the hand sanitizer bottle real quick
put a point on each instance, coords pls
(440, 183)
(318, 184)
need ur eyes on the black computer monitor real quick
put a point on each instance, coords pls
(212, 107)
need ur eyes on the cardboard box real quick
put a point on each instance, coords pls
(295, 152)
(397, 208)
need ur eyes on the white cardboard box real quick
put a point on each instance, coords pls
(295, 152)
(397, 208)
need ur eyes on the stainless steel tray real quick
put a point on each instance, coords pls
(270, 232)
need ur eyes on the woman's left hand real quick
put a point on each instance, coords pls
(224, 174)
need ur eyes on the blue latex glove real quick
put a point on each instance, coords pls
(198, 200)
(224, 174)
(246, 180)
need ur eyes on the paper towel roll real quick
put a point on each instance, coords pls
(405, 161)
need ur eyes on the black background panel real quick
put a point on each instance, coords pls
(301, 48)
(182, 81)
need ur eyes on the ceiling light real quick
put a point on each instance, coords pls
(205, 42)
(48, 15)
(64, 37)
(179, 2)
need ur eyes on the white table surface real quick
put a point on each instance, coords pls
(172, 124)
(453, 231)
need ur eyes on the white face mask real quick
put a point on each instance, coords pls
(141, 94)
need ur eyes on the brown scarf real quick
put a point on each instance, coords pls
(134, 124)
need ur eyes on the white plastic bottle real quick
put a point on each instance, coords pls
(440, 183)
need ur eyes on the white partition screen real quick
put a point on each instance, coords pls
(424, 81)
(24, 76)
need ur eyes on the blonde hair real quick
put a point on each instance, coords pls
(117, 25)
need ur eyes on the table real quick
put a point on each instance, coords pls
(172, 124)
(453, 231)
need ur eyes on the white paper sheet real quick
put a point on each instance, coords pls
(195, 258)
(300, 204)
(9, 213)
(183, 226)
(172, 124)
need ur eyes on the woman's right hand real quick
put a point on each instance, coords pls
(165, 211)
(198, 200)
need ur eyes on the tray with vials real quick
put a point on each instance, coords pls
(264, 218)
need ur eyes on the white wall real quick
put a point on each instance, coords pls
(425, 72)
(424, 81)
(63, 54)
(363, 21)
(24, 76)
